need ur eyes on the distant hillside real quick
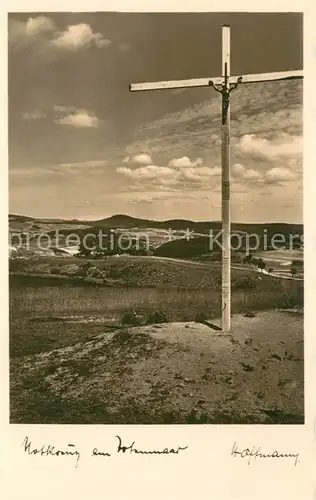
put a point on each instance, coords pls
(208, 247)
(19, 218)
(185, 249)
(32, 220)
(123, 221)
(128, 222)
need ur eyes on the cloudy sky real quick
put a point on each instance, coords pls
(82, 146)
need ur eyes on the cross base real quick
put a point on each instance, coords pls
(215, 324)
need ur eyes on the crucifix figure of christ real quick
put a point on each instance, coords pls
(224, 84)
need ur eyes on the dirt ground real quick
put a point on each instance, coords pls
(169, 373)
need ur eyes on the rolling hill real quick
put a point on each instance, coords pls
(126, 221)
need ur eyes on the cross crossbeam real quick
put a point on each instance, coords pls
(205, 82)
(223, 84)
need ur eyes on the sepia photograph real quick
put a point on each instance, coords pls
(156, 238)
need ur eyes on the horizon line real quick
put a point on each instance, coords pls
(144, 218)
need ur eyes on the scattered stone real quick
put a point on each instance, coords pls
(277, 356)
(247, 367)
(288, 355)
(201, 401)
(249, 314)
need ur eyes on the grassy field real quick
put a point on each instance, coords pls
(55, 311)
(46, 315)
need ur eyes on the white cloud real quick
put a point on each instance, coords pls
(286, 146)
(199, 174)
(35, 114)
(279, 174)
(270, 110)
(79, 118)
(79, 36)
(185, 162)
(64, 109)
(141, 159)
(38, 25)
(44, 36)
(84, 164)
(165, 177)
(33, 28)
(241, 172)
(150, 172)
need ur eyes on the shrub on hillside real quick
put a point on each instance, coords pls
(83, 269)
(245, 283)
(55, 270)
(70, 270)
(157, 317)
(132, 318)
(17, 265)
(94, 272)
(290, 301)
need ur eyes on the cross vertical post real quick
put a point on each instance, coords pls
(226, 224)
(224, 84)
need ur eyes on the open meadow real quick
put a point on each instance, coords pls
(61, 310)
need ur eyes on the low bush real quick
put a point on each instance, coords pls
(94, 272)
(55, 270)
(157, 317)
(249, 314)
(290, 301)
(244, 283)
(132, 318)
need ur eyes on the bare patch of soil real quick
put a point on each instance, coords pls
(169, 373)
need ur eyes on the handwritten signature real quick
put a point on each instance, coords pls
(249, 454)
(255, 452)
(71, 450)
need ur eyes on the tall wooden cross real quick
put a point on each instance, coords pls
(224, 84)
